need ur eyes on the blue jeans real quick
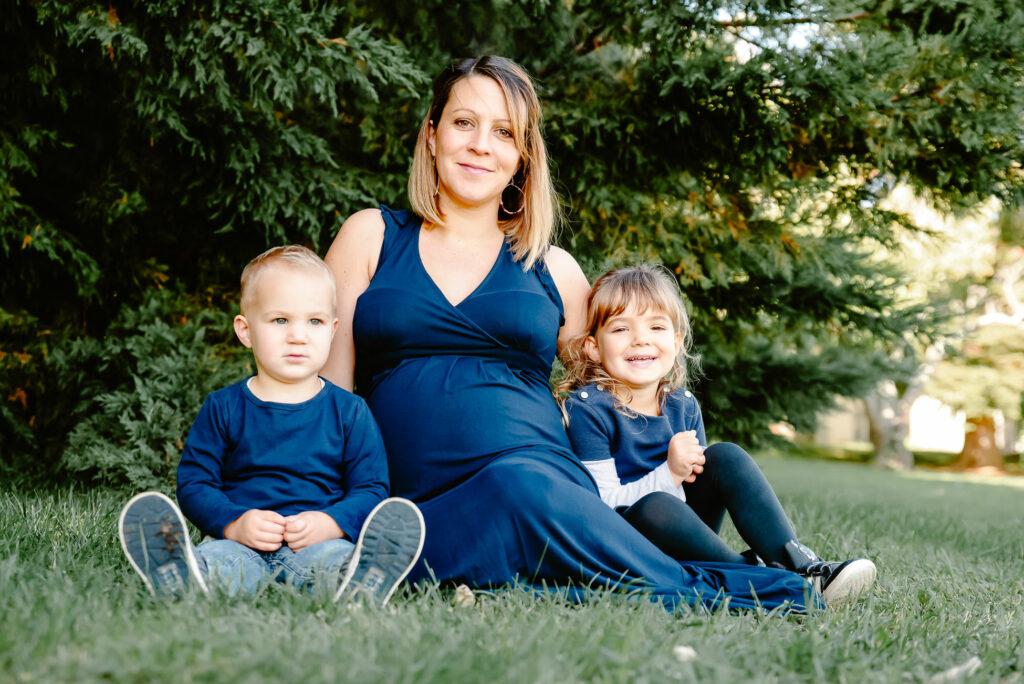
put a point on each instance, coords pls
(234, 567)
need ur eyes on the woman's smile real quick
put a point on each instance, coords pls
(472, 169)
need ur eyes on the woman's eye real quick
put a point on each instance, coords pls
(505, 133)
(463, 123)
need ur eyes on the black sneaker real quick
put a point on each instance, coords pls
(836, 581)
(155, 540)
(389, 545)
(839, 582)
(752, 558)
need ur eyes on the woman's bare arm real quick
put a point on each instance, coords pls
(573, 288)
(353, 260)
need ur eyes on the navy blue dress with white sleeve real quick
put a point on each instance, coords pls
(475, 438)
(626, 453)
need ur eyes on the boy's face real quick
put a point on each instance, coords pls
(290, 323)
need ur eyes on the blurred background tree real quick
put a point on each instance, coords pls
(151, 146)
(984, 374)
(950, 258)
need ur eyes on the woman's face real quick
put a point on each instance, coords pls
(473, 144)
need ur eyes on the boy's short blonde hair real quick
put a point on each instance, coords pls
(649, 286)
(293, 256)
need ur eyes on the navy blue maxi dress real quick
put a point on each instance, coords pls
(474, 437)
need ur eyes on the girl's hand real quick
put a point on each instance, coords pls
(685, 457)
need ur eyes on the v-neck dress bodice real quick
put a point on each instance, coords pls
(474, 437)
(461, 384)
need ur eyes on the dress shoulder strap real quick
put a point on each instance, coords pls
(398, 224)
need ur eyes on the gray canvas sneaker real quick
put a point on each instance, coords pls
(388, 546)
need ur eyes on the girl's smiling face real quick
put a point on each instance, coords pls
(637, 347)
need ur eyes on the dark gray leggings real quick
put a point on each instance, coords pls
(731, 481)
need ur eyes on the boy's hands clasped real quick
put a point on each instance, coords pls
(257, 529)
(267, 531)
(308, 528)
(685, 457)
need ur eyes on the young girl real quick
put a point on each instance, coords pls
(641, 435)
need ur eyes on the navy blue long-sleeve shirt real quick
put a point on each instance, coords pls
(324, 454)
(627, 454)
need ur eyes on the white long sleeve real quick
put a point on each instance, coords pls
(615, 493)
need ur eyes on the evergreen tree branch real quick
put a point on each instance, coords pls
(595, 41)
(789, 21)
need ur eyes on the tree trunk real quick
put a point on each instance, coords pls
(1010, 429)
(889, 412)
(889, 421)
(980, 448)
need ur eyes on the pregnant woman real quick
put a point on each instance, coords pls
(450, 317)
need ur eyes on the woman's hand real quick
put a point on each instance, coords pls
(685, 457)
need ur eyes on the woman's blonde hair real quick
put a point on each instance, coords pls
(648, 286)
(530, 230)
(295, 256)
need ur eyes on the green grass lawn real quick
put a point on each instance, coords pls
(950, 553)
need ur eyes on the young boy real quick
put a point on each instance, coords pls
(282, 470)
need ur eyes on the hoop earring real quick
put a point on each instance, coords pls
(522, 200)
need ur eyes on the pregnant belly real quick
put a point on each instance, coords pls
(444, 417)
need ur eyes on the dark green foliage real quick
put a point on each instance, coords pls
(43, 397)
(148, 142)
(117, 409)
(156, 365)
(759, 181)
(173, 119)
